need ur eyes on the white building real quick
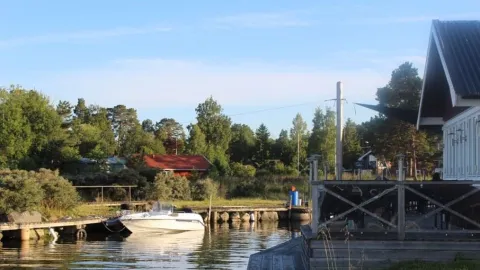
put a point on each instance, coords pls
(450, 98)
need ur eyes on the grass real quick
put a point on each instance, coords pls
(232, 202)
(81, 210)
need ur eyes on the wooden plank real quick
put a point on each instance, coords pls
(288, 262)
(401, 255)
(267, 262)
(277, 262)
(43, 225)
(399, 245)
(255, 262)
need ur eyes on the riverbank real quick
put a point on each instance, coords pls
(89, 210)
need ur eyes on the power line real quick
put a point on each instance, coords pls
(265, 110)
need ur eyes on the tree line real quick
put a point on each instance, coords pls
(36, 134)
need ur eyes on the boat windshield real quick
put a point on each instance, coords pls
(162, 206)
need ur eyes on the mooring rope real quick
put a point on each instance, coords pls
(106, 227)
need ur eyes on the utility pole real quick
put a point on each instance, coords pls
(175, 146)
(298, 151)
(338, 144)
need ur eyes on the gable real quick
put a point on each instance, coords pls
(451, 82)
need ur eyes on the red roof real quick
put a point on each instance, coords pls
(177, 162)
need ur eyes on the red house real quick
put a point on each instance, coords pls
(183, 165)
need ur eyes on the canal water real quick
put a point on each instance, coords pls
(223, 246)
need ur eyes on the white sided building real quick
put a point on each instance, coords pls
(450, 98)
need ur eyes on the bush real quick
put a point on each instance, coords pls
(59, 192)
(28, 190)
(170, 187)
(240, 170)
(203, 188)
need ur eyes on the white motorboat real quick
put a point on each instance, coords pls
(162, 219)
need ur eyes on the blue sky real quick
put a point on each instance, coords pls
(165, 57)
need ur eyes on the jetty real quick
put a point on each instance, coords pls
(24, 230)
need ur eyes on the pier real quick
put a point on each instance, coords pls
(23, 231)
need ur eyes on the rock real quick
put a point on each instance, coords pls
(235, 216)
(269, 216)
(224, 217)
(24, 217)
(246, 217)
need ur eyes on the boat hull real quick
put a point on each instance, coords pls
(161, 226)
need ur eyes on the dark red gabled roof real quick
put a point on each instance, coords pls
(178, 162)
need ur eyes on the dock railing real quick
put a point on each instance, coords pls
(111, 186)
(449, 206)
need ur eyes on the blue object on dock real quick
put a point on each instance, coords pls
(294, 198)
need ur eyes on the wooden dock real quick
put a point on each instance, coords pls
(22, 231)
(50, 224)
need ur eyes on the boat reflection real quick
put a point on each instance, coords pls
(164, 244)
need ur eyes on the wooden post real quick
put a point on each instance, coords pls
(315, 210)
(209, 209)
(25, 234)
(130, 194)
(401, 200)
(102, 194)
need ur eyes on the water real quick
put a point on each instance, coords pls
(224, 246)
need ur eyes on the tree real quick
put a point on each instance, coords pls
(147, 126)
(322, 139)
(64, 110)
(262, 146)
(299, 136)
(171, 133)
(214, 124)
(124, 123)
(29, 123)
(81, 111)
(351, 144)
(196, 143)
(242, 144)
(282, 148)
(390, 137)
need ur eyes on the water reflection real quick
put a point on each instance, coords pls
(222, 246)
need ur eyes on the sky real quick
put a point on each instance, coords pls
(263, 61)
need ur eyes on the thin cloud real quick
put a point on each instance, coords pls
(155, 83)
(415, 19)
(263, 20)
(83, 35)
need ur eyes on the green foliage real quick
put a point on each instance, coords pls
(214, 124)
(170, 187)
(283, 149)
(171, 133)
(322, 139)
(240, 170)
(242, 144)
(390, 137)
(299, 137)
(28, 190)
(280, 169)
(196, 143)
(351, 144)
(202, 189)
(262, 146)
